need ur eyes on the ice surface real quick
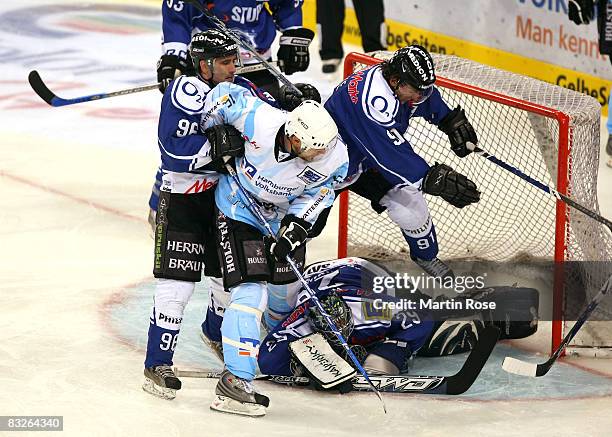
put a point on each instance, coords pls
(75, 264)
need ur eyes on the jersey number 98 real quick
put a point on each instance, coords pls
(186, 127)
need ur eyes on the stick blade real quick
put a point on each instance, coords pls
(40, 88)
(518, 367)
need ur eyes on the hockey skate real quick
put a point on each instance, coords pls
(237, 396)
(434, 267)
(330, 66)
(215, 346)
(161, 381)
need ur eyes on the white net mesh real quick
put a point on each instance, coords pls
(513, 218)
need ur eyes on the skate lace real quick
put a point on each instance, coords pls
(245, 385)
(434, 267)
(165, 371)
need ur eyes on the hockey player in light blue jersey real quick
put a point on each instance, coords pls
(372, 109)
(254, 20)
(289, 165)
(184, 236)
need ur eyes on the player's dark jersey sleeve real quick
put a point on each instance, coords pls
(286, 13)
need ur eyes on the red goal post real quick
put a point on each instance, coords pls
(547, 131)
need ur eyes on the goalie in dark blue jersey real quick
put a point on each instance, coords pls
(379, 327)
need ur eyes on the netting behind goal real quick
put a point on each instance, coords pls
(549, 132)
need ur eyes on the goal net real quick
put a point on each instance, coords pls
(548, 132)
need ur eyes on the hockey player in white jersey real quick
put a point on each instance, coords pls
(184, 235)
(289, 165)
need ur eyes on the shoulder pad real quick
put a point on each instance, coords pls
(188, 94)
(378, 102)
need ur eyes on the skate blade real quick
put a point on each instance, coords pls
(232, 406)
(161, 392)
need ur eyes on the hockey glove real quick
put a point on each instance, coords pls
(226, 142)
(455, 188)
(169, 67)
(293, 51)
(288, 100)
(580, 11)
(460, 132)
(291, 235)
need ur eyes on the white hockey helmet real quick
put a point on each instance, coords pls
(313, 125)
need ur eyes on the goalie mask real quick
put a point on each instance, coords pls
(313, 125)
(210, 45)
(340, 314)
(414, 66)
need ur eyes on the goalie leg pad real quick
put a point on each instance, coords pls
(320, 361)
(240, 329)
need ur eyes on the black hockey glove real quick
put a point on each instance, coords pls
(169, 67)
(291, 235)
(580, 11)
(288, 100)
(293, 52)
(455, 188)
(460, 132)
(226, 142)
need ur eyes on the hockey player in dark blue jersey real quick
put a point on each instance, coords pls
(184, 229)
(220, 55)
(255, 20)
(379, 325)
(372, 109)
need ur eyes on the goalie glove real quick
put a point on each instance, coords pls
(289, 100)
(441, 180)
(169, 67)
(226, 142)
(580, 11)
(291, 235)
(460, 131)
(293, 51)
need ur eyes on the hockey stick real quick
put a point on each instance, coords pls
(543, 187)
(455, 384)
(262, 220)
(519, 367)
(52, 99)
(236, 38)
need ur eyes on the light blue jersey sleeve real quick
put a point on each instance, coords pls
(228, 103)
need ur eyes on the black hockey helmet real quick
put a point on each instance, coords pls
(338, 311)
(414, 66)
(209, 45)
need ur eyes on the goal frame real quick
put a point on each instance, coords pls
(563, 172)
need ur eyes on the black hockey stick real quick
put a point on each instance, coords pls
(544, 187)
(52, 99)
(236, 38)
(520, 367)
(455, 384)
